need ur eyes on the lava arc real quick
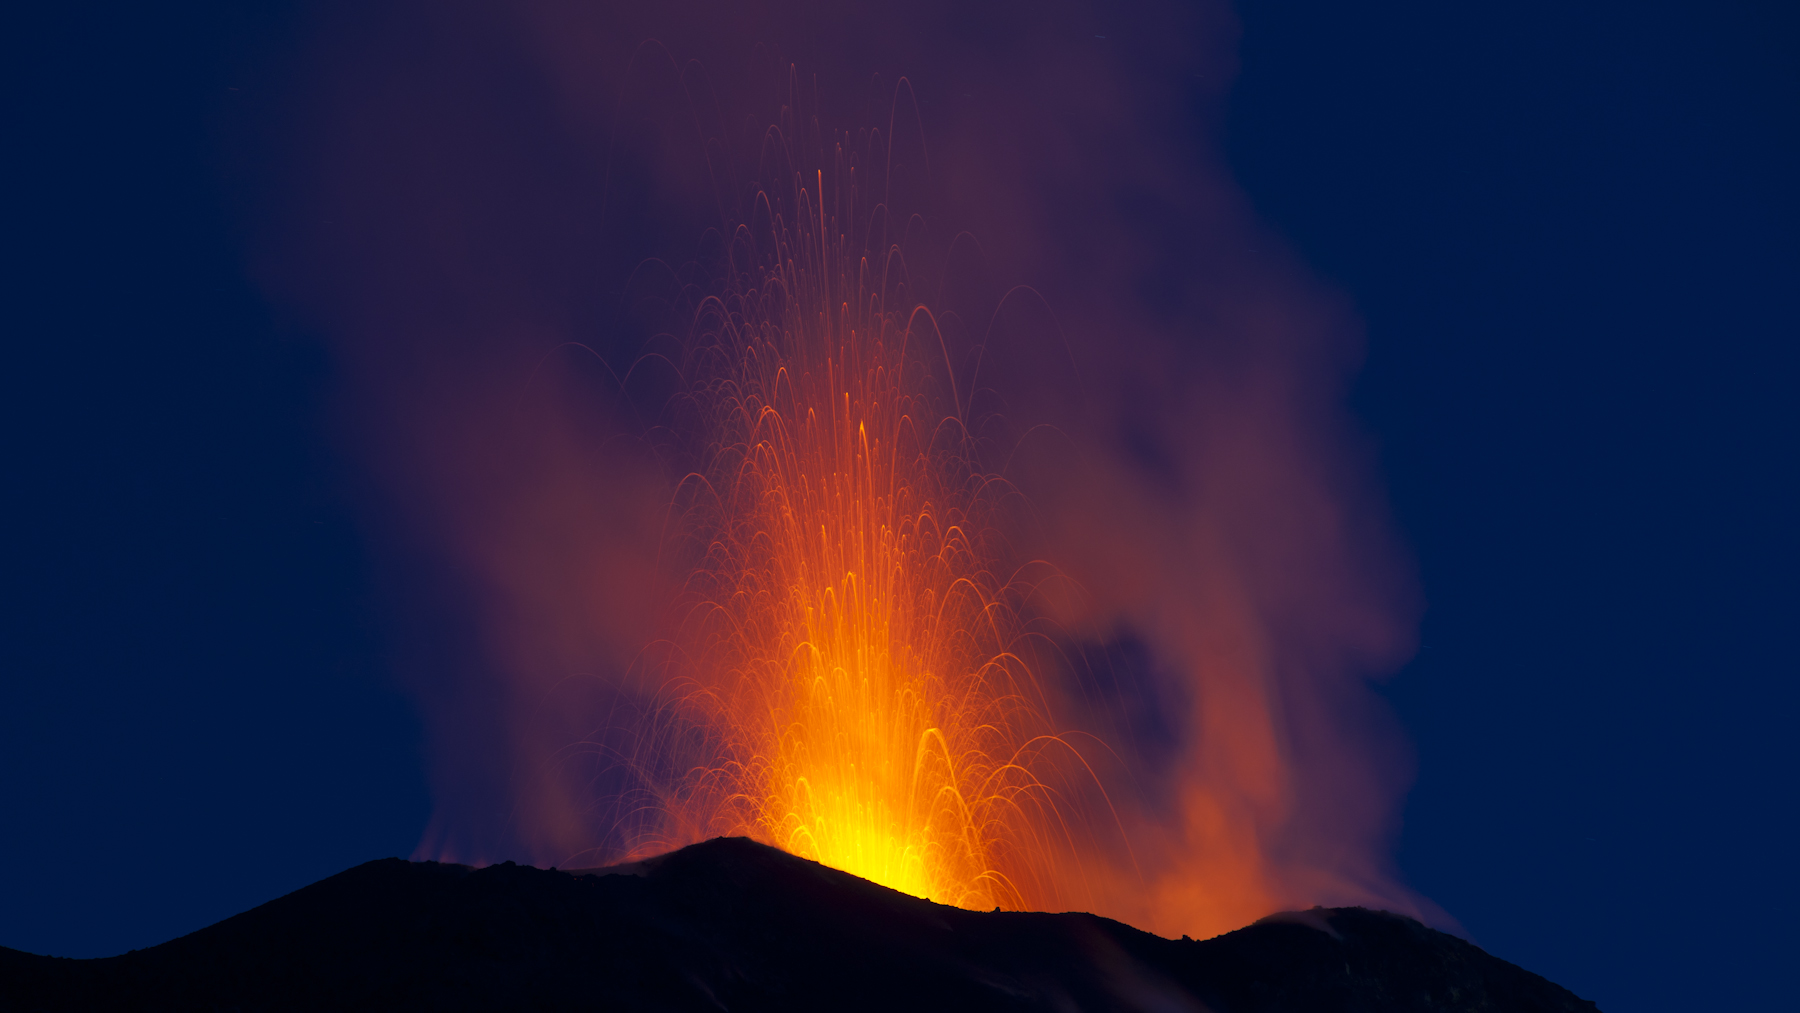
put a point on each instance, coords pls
(855, 650)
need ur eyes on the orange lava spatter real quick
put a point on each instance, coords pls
(853, 654)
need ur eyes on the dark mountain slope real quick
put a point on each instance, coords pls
(731, 924)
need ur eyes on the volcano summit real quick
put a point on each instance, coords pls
(732, 924)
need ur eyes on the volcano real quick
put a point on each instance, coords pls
(730, 924)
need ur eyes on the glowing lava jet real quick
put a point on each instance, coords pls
(855, 662)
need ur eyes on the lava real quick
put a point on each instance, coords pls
(854, 651)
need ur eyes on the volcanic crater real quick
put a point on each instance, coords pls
(731, 924)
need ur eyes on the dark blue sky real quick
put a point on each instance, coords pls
(1570, 227)
(1572, 230)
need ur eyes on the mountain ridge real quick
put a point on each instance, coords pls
(732, 924)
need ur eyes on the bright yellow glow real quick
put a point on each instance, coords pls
(855, 653)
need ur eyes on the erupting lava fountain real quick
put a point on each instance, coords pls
(853, 658)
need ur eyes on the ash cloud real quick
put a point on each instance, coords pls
(479, 205)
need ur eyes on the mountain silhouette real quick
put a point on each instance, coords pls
(730, 924)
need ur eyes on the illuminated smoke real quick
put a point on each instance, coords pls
(494, 214)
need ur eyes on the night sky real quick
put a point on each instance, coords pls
(1570, 228)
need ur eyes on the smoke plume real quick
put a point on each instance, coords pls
(493, 211)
